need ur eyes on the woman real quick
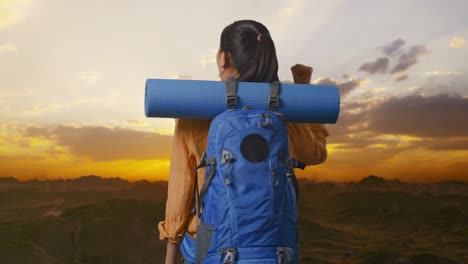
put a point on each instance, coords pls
(247, 52)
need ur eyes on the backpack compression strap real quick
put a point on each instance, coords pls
(273, 100)
(231, 92)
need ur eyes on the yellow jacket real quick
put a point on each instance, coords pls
(307, 143)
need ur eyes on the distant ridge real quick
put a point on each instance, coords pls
(373, 180)
(8, 179)
(370, 180)
(82, 183)
(85, 179)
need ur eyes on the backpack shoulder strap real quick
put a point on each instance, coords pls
(295, 163)
(205, 161)
(210, 162)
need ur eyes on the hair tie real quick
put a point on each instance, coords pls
(258, 37)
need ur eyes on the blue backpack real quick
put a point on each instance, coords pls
(249, 195)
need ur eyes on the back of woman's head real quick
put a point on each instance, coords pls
(253, 56)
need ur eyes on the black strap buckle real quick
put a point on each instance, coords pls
(295, 163)
(281, 255)
(229, 256)
(231, 101)
(284, 255)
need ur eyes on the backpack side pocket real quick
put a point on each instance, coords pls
(187, 248)
(203, 241)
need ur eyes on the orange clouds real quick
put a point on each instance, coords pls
(64, 151)
(69, 152)
(106, 144)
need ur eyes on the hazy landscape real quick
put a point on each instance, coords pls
(96, 220)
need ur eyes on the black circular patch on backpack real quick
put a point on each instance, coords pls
(255, 148)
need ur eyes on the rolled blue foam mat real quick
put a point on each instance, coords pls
(200, 99)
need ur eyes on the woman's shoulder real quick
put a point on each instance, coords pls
(192, 125)
(293, 128)
(193, 122)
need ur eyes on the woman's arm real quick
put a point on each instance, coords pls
(307, 140)
(180, 192)
(172, 255)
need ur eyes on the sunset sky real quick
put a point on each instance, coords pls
(72, 77)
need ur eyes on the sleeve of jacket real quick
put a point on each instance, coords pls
(181, 185)
(308, 142)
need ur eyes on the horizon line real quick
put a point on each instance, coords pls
(299, 179)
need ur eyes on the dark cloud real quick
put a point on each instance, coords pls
(393, 47)
(436, 116)
(345, 87)
(351, 121)
(446, 83)
(106, 144)
(378, 66)
(340, 131)
(404, 59)
(351, 134)
(409, 58)
(438, 120)
(401, 77)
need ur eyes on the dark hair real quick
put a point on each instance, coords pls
(254, 60)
